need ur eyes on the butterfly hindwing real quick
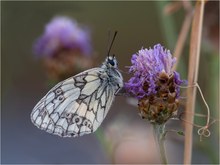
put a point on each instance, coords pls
(75, 106)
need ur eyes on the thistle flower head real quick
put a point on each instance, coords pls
(154, 83)
(63, 33)
(65, 48)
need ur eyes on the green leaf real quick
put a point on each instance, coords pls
(180, 133)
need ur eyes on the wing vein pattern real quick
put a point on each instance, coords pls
(77, 105)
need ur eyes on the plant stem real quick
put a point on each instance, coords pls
(168, 27)
(183, 33)
(195, 42)
(104, 143)
(159, 134)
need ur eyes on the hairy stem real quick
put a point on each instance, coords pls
(159, 134)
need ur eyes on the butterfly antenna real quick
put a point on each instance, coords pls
(107, 45)
(111, 42)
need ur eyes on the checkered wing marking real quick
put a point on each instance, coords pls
(75, 106)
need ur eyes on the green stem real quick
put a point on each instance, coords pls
(159, 134)
(104, 143)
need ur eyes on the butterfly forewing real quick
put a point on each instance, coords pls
(75, 106)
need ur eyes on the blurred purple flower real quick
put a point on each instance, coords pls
(62, 33)
(147, 65)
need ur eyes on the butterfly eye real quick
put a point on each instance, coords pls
(110, 61)
(77, 120)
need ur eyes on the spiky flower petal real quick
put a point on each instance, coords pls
(154, 83)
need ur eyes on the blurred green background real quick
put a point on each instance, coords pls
(139, 24)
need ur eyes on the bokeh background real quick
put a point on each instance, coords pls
(123, 137)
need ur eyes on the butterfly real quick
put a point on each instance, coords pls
(78, 105)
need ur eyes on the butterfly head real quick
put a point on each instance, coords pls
(111, 62)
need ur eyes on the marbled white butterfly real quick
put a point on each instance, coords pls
(78, 105)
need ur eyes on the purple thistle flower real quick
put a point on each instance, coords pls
(154, 84)
(62, 33)
(147, 65)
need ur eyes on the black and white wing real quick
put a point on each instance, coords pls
(75, 106)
